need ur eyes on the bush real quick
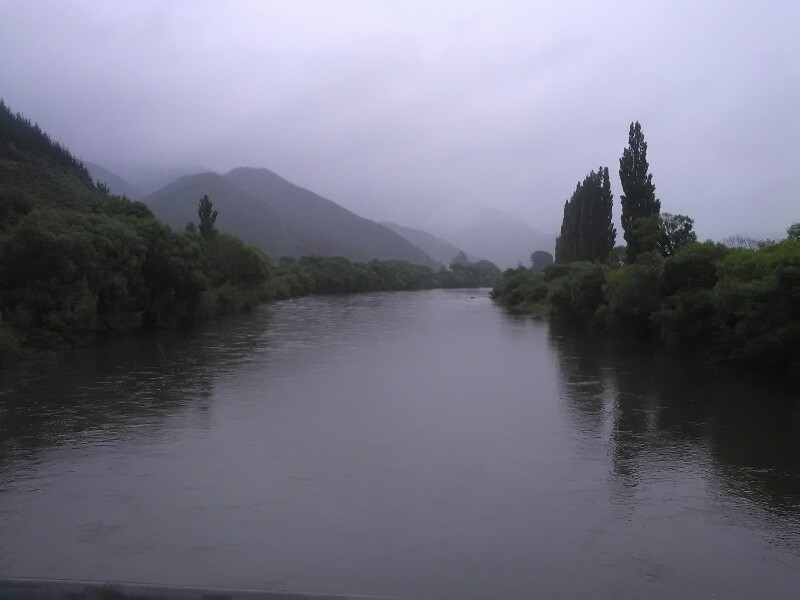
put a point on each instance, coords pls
(632, 296)
(757, 302)
(577, 294)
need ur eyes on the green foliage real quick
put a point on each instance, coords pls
(618, 257)
(757, 302)
(78, 263)
(639, 195)
(587, 232)
(646, 235)
(540, 260)
(676, 231)
(468, 275)
(18, 136)
(578, 293)
(521, 288)
(793, 232)
(207, 216)
(728, 304)
(632, 296)
(693, 266)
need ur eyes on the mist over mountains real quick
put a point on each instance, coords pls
(438, 249)
(282, 218)
(116, 184)
(494, 235)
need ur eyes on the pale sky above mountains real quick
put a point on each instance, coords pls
(413, 111)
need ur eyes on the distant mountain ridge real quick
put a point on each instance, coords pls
(315, 217)
(281, 218)
(239, 213)
(438, 249)
(497, 236)
(116, 184)
(150, 180)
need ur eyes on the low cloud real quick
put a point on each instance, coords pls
(411, 111)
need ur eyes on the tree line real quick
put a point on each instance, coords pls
(737, 302)
(69, 277)
(78, 263)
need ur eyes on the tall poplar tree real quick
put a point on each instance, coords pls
(639, 194)
(587, 231)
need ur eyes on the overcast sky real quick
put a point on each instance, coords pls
(409, 110)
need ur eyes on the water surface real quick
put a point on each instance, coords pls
(423, 444)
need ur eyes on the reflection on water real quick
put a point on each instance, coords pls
(653, 408)
(426, 444)
(121, 385)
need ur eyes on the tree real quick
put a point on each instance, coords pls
(566, 242)
(639, 194)
(676, 230)
(208, 217)
(103, 188)
(459, 259)
(587, 232)
(741, 241)
(190, 227)
(540, 260)
(794, 231)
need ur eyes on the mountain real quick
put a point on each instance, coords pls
(438, 249)
(37, 171)
(315, 219)
(150, 180)
(116, 184)
(239, 213)
(497, 236)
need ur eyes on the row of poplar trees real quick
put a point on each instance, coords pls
(587, 231)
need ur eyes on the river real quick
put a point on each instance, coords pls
(421, 444)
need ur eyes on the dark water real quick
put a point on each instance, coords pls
(420, 444)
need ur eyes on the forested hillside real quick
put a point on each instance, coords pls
(318, 221)
(77, 263)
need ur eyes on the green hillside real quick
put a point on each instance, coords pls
(240, 213)
(319, 218)
(78, 264)
(36, 170)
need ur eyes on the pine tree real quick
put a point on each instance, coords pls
(207, 216)
(639, 194)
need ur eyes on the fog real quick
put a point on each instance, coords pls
(418, 112)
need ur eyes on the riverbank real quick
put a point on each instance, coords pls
(207, 277)
(732, 305)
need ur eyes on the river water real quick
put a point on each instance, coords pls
(420, 444)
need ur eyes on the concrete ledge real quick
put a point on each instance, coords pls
(57, 589)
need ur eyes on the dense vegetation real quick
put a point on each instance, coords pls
(587, 232)
(77, 263)
(737, 304)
